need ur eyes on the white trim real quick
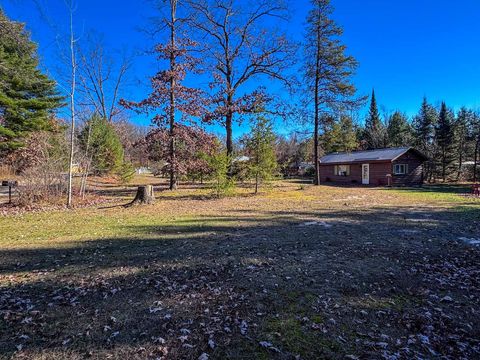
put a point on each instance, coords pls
(365, 174)
(405, 168)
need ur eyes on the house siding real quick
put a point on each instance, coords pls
(378, 172)
(327, 174)
(414, 174)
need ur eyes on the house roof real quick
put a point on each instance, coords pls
(388, 154)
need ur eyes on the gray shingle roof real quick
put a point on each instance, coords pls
(388, 154)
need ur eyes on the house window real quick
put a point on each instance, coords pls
(400, 169)
(342, 170)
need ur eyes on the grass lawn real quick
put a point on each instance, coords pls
(296, 272)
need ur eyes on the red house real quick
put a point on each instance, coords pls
(391, 166)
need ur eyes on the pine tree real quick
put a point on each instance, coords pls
(102, 144)
(348, 136)
(328, 70)
(475, 128)
(424, 132)
(260, 147)
(424, 125)
(463, 137)
(338, 135)
(27, 96)
(219, 163)
(126, 172)
(375, 133)
(444, 136)
(330, 138)
(399, 130)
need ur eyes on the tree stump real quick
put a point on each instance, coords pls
(144, 196)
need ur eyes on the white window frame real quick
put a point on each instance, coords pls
(339, 172)
(397, 169)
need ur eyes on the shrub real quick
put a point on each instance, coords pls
(44, 179)
(310, 172)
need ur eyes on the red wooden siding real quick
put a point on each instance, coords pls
(414, 174)
(378, 172)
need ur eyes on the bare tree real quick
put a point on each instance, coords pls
(240, 47)
(101, 80)
(73, 63)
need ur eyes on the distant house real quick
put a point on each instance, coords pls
(241, 159)
(391, 166)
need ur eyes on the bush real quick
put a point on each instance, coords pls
(44, 179)
(310, 172)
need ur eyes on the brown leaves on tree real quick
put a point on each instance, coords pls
(191, 144)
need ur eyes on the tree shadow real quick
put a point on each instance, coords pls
(439, 188)
(189, 281)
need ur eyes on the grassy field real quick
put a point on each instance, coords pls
(295, 272)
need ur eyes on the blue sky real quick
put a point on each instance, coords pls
(406, 48)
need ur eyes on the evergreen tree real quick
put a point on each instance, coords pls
(27, 96)
(126, 172)
(102, 145)
(424, 130)
(444, 135)
(424, 125)
(475, 129)
(375, 134)
(348, 136)
(260, 146)
(339, 135)
(330, 138)
(463, 137)
(328, 70)
(399, 130)
(219, 163)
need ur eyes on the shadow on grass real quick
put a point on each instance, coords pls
(439, 188)
(120, 295)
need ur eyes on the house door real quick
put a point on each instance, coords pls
(365, 174)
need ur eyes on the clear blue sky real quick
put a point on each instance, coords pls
(406, 48)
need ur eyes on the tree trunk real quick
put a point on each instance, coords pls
(477, 143)
(144, 196)
(229, 141)
(315, 150)
(443, 165)
(72, 111)
(173, 177)
(317, 115)
(460, 163)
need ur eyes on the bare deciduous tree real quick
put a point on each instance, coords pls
(101, 80)
(241, 45)
(73, 62)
